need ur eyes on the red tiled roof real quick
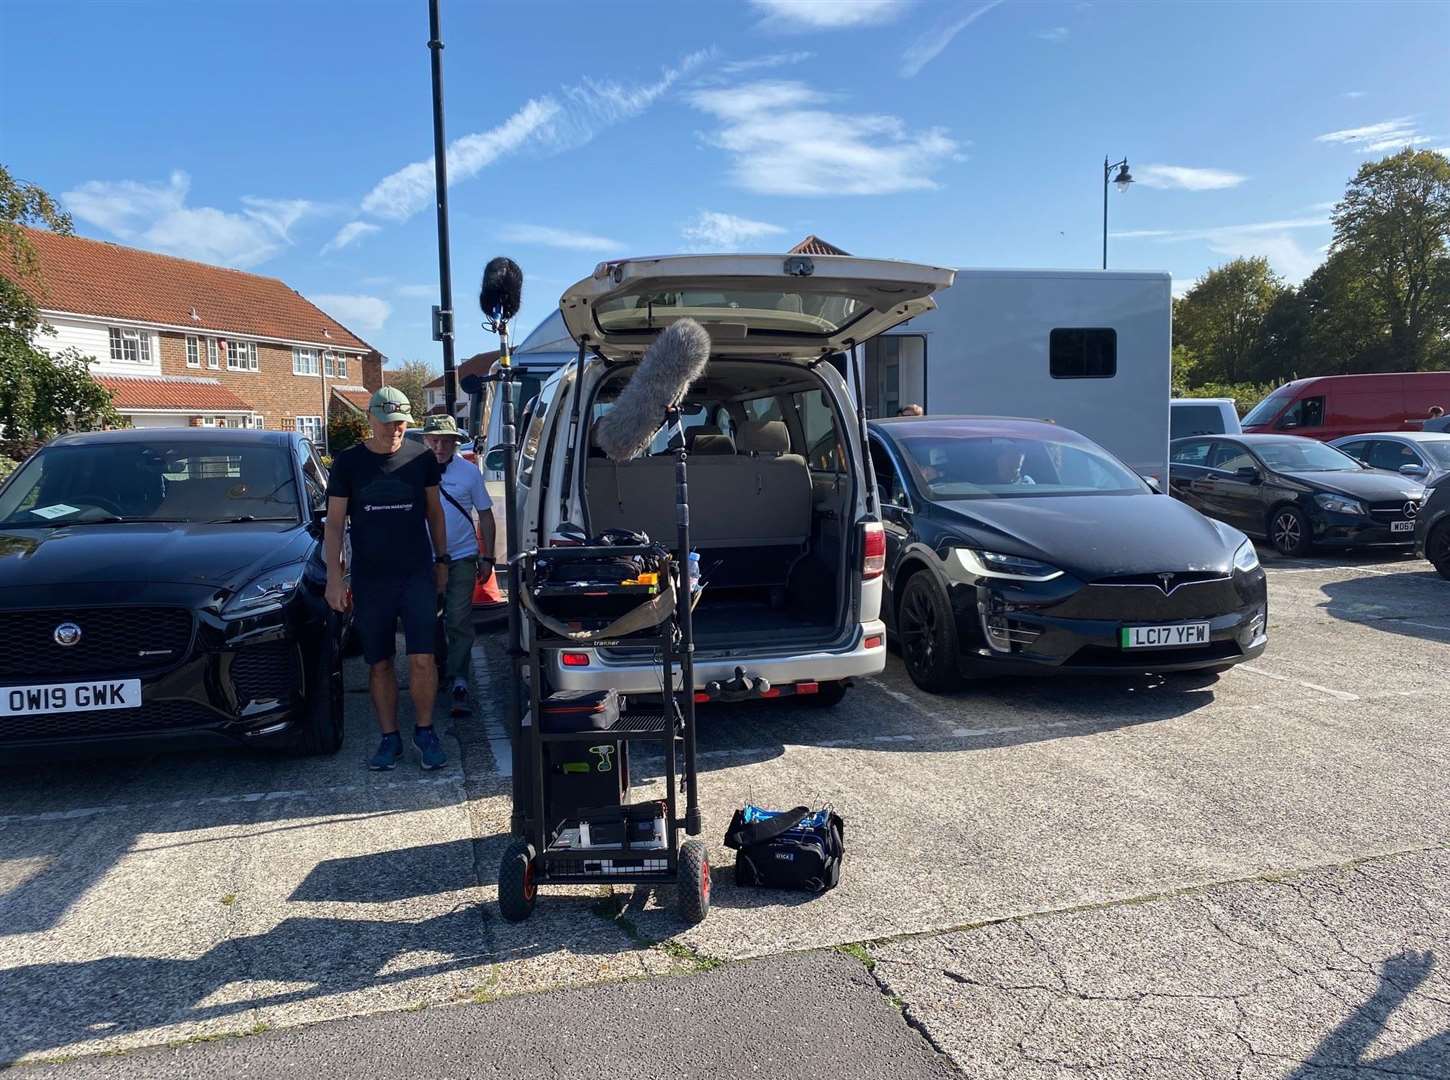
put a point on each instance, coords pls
(814, 245)
(357, 398)
(91, 277)
(180, 392)
(477, 364)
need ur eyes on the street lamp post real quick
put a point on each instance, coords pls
(1123, 179)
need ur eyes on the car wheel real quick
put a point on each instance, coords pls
(1289, 531)
(1437, 549)
(322, 711)
(928, 635)
(828, 696)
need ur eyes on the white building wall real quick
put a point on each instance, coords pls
(93, 339)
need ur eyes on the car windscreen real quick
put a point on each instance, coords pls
(1304, 455)
(951, 467)
(164, 480)
(1267, 409)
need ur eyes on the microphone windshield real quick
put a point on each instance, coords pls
(674, 360)
(502, 289)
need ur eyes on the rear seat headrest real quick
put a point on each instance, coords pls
(764, 437)
(712, 444)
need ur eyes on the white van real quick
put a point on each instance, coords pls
(1203, 416)
(782, 502)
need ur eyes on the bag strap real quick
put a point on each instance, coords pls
(771, 827)
(459, 507)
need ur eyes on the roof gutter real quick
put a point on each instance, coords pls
(199, 330)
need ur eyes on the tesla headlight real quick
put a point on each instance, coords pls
(1339, 504)
(992, 564)
(1246, 559)
(271, 589)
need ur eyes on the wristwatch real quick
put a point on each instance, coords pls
(442, 560)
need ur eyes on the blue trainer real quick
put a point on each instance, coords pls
(426, 740)
(388, 753)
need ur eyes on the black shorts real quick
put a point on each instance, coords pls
(378, 604)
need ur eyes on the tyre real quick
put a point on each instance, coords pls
(694, 888)
(517, 890)
(1437, 549)
(1289, 531)
(322, 714)
(927, 632)
(828, 696)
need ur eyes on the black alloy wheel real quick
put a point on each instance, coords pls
(1437, 549)
(928, 635)
(1289, 531)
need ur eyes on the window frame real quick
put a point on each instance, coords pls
(1052, 350)
(213, 355)
(140, 341)
(248, 350)
(899, 475)
(193, 351)
(309, 427)
(1208, 440)
(1236, 448)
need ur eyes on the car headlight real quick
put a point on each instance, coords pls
(1339, 504)
(271, 589)
(992, 564)
(1246, 558)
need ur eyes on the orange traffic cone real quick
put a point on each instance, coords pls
(487, 599)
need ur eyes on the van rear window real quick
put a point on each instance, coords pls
(1186, 420)
(1083, 353)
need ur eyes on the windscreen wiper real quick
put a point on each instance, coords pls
(237, 519)
(128, 519)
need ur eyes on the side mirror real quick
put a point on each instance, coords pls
(1414, 470)
(1247, 472)
(495, 459)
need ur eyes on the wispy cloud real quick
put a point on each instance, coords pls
(1181, 286)
(1354, 95)
(552, 123)
(784, 142)
(1057, 34)
(1374, 138)
(349, 234)
(548, 236)
(930, 45)
(417, 292)
(800, 15)
(714, 231)
(1186, 178)
(1273, 239)
(1214, 231)
(355, 311)
(761, 63)
(156, 216)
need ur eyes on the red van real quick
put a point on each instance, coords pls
(1335, 405)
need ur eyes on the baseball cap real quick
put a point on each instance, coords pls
(390, 404)
(441, 424)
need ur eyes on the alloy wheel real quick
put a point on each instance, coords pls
(1287, 534)
(918, 631)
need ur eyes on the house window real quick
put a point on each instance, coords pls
(1083, 353)
(211, 354)
(130, 346)
(310, 427)
(306, 361)
(289, 424)
(193, 352)
(341, 366)
(241, 355)
(334, 365)
(258, 421)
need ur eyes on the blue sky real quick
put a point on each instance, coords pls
(293, 138)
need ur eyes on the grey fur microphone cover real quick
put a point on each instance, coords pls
(675, 360)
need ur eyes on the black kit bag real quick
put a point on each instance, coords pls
(796, 849)
(580, 710)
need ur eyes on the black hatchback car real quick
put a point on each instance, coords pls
(1017, 546)
(157, 583)
(1294, 492)
(1432, 528)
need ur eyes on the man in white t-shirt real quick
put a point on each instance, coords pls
(467, 511)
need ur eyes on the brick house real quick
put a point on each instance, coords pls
(435, 398)
(182, 343)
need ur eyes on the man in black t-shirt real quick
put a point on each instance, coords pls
(388, 487)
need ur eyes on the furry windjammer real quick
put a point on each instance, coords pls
(674, 361)
(502, 289)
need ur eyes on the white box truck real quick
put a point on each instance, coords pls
(1087, 349)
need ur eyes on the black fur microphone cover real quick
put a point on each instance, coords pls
(674, 361)
(502, 289)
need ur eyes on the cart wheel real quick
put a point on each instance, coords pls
(694, 881)
(517, 890)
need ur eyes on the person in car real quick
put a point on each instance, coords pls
(467, 510)
(388, 488)
(911, 410)
(1008, 464)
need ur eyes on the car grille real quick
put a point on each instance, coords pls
(120, 641)
(1135, 601)
(1389, 511)
(1144, 659)
(265, 672)
(155, 717)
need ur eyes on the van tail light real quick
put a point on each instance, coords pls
(873, 559)
(575, 659)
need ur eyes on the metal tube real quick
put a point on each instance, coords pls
(440, 179)
(687, 630)
(515, 642)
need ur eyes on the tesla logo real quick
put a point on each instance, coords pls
(1166, 581)
(67, 634)
(1411, 509)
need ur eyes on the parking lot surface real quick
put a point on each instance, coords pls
(1191, 876)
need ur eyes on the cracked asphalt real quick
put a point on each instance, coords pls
(1246, 876)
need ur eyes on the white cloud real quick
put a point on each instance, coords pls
(714, 231)
(548, 236)
(930, 45)
(155, 215)
(355, 311)
(1273, 239)
(553, 123)
(1354, 94)
(1056, 34)
(1213, 231)
(350, 233)
(1374, 138)
(418, 292)
(827, 14)
(1186, 178)
(758, 63)
(784, 143)
(1181, 286)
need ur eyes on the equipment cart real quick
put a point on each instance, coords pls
(578, 826)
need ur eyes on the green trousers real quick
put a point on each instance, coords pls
(458, 616)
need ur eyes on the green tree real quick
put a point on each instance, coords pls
(411, 376)
(345, 427)
(1221, 319)
(41, 394)
(1344, 330)
(1394, 222)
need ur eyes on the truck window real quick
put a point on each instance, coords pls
(1188, 420)
(1087, 353)
(1306, 412)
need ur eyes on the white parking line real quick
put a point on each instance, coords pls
(1327, 569)
(1341, 695)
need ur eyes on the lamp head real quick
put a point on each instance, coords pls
(1124, 177)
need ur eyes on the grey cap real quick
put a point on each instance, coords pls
(390, 404)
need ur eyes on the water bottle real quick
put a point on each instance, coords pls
(694, 571)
